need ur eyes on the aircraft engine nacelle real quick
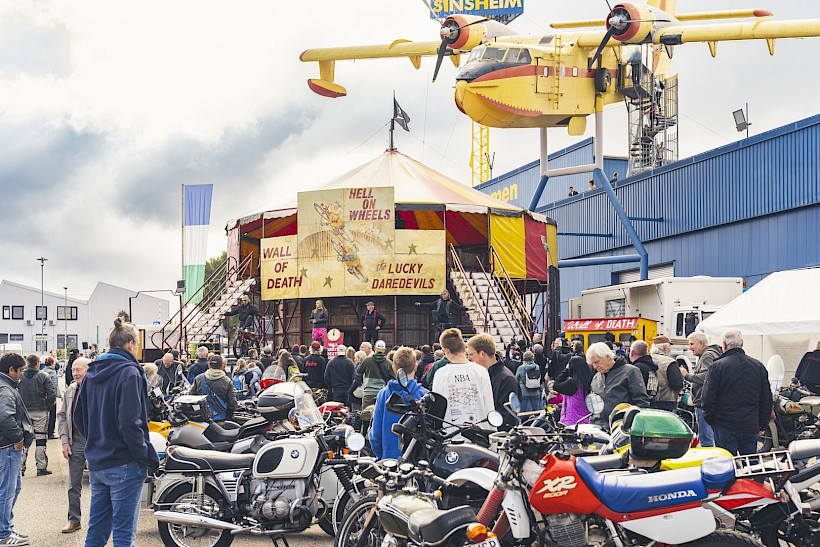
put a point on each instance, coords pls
(632, 23)
(465, 32)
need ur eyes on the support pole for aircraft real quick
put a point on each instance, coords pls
(597, 169)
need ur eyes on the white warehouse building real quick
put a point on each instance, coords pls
(85, 322)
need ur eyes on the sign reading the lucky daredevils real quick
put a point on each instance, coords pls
(444, 8)
(347, 245)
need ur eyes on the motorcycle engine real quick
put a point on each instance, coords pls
(568, 529)
(277, 500)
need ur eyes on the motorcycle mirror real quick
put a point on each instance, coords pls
(355, 441)
(776, 371)
(594, 403)
(402, 377)
(396, 405)
(495, 418)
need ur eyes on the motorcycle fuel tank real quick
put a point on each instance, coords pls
(395, 510)
(286, 458)
(452, 457)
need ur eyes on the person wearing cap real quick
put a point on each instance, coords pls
(377, 370)
(246, 312)
(372, 322)
(218, 384)
(339, 377)
(442, 308)
(296, 353)
(267, 358)
(315, 367)
(670, 381)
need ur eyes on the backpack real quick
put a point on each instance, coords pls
(533, 378)
(652, 385)
(219, 410)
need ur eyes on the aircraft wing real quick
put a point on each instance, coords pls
(327, 57)
(753, 30)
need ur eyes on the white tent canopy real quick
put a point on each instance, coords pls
(779, 315)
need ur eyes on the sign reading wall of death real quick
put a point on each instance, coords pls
(347, 245)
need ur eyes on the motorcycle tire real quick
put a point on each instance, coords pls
(351, 527)
(343, 504)
(167, 531)
(724, 538)
(765, 442)
(798, 536)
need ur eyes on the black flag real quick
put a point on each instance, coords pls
(400, 116)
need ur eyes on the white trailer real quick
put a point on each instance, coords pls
(678, 304)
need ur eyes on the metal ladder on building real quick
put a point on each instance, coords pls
(202, 315)
(556, 72)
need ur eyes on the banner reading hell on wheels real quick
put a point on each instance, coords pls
(347, 245)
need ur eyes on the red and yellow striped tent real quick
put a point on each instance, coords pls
(427, 200)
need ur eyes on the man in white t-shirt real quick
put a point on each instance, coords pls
(465, 385)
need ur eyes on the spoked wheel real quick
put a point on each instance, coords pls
(355, 530)
(765, 442)
(344, 503)
(182, 500)
(242, 346)
(798, 532)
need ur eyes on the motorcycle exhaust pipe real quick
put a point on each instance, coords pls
(188, 519)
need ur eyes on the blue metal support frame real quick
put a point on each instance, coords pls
(618, 259)
(538, 191)
(601, 177)
(647, 219)
(583, 234)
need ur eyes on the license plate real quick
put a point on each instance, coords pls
(492, 542)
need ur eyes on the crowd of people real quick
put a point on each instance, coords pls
(101, 418)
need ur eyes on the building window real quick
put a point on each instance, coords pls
(615, 308)
(6, 312)
(66, 313)
(41, 313)
(72, 341)
(17, 312)
(4, 338)
(15, 337)
(41, 347)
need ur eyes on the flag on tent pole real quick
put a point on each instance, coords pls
(196, 219)
(400, 116)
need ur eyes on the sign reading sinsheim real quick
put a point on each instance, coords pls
(444, 8)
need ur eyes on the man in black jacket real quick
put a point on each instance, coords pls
(706, 354)
(559, 358)
(218, 384)
(246, 312)
(38, 395)
(737, 397)
(808, 371)
(372, 322)
(442, 308)
(267, 357)
(16, 433)
(481, 350)
(200, 366)
(339, 375)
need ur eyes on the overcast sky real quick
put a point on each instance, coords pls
(106, 108)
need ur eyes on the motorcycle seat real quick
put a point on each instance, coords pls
(608, 461)
(180, 458)
(717, 473)
(432, 526)
(218, 434)
(804, 449)
(631, 493)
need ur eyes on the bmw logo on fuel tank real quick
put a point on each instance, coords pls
(451, 457)
(294, 454)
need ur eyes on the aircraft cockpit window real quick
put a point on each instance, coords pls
(476, 54)
(518, 56)
(494, 54)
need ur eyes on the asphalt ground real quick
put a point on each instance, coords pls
(41, 511)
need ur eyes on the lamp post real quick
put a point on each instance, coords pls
(65, 324)
(42, 293)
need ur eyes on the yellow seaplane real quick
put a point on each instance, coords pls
(556, 80)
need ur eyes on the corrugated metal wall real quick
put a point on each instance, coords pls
(522, 182)
(747, 209)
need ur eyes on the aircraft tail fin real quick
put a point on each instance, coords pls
(669, 6)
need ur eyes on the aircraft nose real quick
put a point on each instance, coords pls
(461, 89)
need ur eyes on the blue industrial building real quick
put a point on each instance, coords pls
(746, 209)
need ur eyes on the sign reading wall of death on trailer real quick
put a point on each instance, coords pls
(443, 8)
(347, 245)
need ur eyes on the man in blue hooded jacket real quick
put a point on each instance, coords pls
(384, 442)
(111, 412)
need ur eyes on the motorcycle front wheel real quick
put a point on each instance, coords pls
(785, 532)
(180, 498)
(353, 526)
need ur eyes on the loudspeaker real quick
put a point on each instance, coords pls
(85, 345)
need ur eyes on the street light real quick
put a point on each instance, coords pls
(742, 120)
(42, 294)
(65, 324)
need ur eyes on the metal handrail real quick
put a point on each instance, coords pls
(476, 303)
(491, 286)
(512, 296)
(210, 294)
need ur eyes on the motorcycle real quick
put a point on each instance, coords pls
(211, 496)
(550, 497)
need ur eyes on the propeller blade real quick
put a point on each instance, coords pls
(435, 16)
(442, 49)
(601, 47)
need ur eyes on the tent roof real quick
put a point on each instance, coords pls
(783, 303)
(417, 187)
